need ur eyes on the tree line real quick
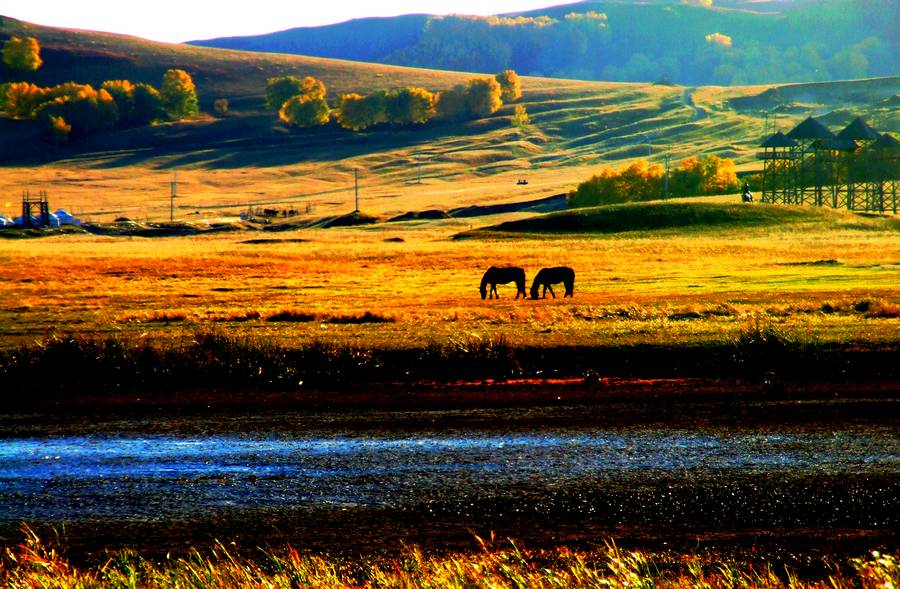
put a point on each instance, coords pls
(303, 102)
(641, 181)
(682, 44)
(73, 111)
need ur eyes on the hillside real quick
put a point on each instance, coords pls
(249, 159)
(684, 215)
(735, 42)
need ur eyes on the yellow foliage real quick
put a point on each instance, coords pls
(510, 21)
(59, 128)
(22, 54)
(510, 86)
(178, 93)
(304, 111)
(719, 39)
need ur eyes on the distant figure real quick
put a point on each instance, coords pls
(548, 276)
(746, 196)
(495, 276)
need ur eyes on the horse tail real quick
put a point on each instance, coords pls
(520, 280)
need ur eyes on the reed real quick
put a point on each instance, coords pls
(33, 564)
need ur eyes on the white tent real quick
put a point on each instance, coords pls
(6, 221)
(65, 218)
(36, 221)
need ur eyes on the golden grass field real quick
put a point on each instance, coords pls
(630, 287)
(832, 280)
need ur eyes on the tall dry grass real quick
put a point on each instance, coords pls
(33, 564)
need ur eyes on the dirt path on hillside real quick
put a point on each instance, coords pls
(688, 98)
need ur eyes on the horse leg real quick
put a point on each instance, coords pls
(570, 289)
(494, 291)
(552, 294)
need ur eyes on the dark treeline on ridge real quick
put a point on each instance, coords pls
(700, 42)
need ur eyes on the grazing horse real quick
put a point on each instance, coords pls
(548, 276)
(495, 276)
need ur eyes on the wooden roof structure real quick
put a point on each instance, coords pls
(858, 130)
(886, 141)
(810, 129)
(778, 140)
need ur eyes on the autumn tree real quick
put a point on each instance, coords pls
(312, 87)
(705, 175)
(406, 106)
(22, 55)
(510, 87)
(179, 95)
(148, 105)
(357, 112)
(642, 181)
(59, 129)
(22, 98)
(451, 104)
(304, 111)
(483, 97)
(122, 92)
(280, 88)
(520, 118)
(87, 111)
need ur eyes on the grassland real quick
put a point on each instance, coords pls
(825, 276)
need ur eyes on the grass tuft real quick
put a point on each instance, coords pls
(290, 315)
(367, 317)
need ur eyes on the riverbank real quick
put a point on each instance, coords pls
(207, 365)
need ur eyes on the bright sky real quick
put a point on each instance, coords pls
(185, 20)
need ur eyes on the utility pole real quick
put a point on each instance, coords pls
(356, 189)
(174, 185)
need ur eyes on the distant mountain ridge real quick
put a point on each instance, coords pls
(691, 42)
(348, 40)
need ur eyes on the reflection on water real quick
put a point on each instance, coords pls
(156, 477)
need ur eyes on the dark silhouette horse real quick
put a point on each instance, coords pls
(495, 276)
(548, 276)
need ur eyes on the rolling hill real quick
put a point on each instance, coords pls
(683, 215)
(734, 42)
(247, 158)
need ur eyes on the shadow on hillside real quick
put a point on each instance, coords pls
(238, 142)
